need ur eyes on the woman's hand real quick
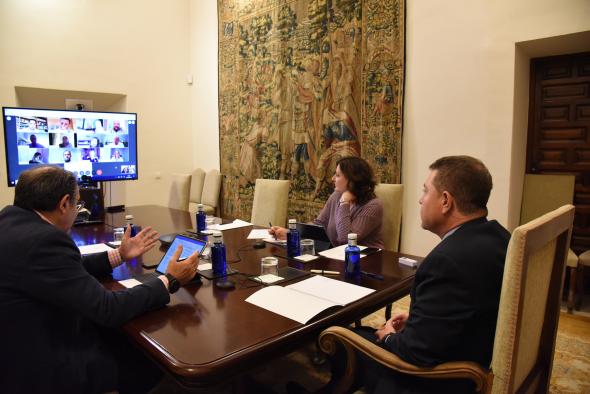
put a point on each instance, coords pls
(347, 197)
(278, 232)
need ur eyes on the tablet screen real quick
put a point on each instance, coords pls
(189, 246)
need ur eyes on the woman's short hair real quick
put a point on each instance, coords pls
(360, 177)
(42, 188)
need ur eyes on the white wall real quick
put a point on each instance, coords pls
(460, 93)
(204, 107)
(139, 48)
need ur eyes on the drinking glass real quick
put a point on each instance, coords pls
(307, 247)
(118, 233)
(269, 265)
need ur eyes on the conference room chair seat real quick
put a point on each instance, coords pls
(179, 191)
(196, 189)
(211, 190)
(271, 199)
(541, 194)
(527, 321)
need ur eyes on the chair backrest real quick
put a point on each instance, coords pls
(529, 303)
(544, 193)
(179, 191)
(211, 188)
(271, 199)
(196, 193)
(391, 196)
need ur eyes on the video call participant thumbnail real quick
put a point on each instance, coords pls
(65, 142)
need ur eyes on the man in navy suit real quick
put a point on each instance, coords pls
(456, 291)
(55, 313)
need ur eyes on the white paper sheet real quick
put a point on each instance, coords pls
(290, 304)
(205, 267)
(235, 224)
(268, 278)
(96, 248)
(335, 291)
(306, 257)
(129, 283)
(258, 233)
(337, 253)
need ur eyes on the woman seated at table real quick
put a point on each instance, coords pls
(352, 208)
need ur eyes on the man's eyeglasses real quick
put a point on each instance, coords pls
(80, 206)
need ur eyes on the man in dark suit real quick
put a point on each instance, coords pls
(54, 311)
(456, 292)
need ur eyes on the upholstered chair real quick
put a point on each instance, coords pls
(179, 190)
(544, 193)
(391, 196)
(211, 189)
(527, 321)
(196, 191)
(271, 199)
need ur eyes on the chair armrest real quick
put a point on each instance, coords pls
(330, 337)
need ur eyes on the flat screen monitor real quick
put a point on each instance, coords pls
(99, 145)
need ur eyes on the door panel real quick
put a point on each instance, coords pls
(559, 130)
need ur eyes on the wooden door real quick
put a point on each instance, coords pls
(559, 130)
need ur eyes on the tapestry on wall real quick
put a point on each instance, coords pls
(303, 83)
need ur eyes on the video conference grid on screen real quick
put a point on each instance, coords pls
(97, 144)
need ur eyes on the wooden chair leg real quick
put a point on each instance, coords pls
(571, 297)
(579, 286)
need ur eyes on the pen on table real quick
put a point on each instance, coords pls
(372, 275)
(325, 272)
(270, 225)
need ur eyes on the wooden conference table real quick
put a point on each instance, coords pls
(206, 335)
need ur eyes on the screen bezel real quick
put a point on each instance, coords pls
(70, 114)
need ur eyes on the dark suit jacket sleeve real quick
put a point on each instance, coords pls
(55, 274)
(435, 323)
(97, 264)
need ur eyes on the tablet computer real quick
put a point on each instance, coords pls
(189, 246)
(317, 233)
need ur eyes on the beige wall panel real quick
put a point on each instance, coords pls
(137, 48)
